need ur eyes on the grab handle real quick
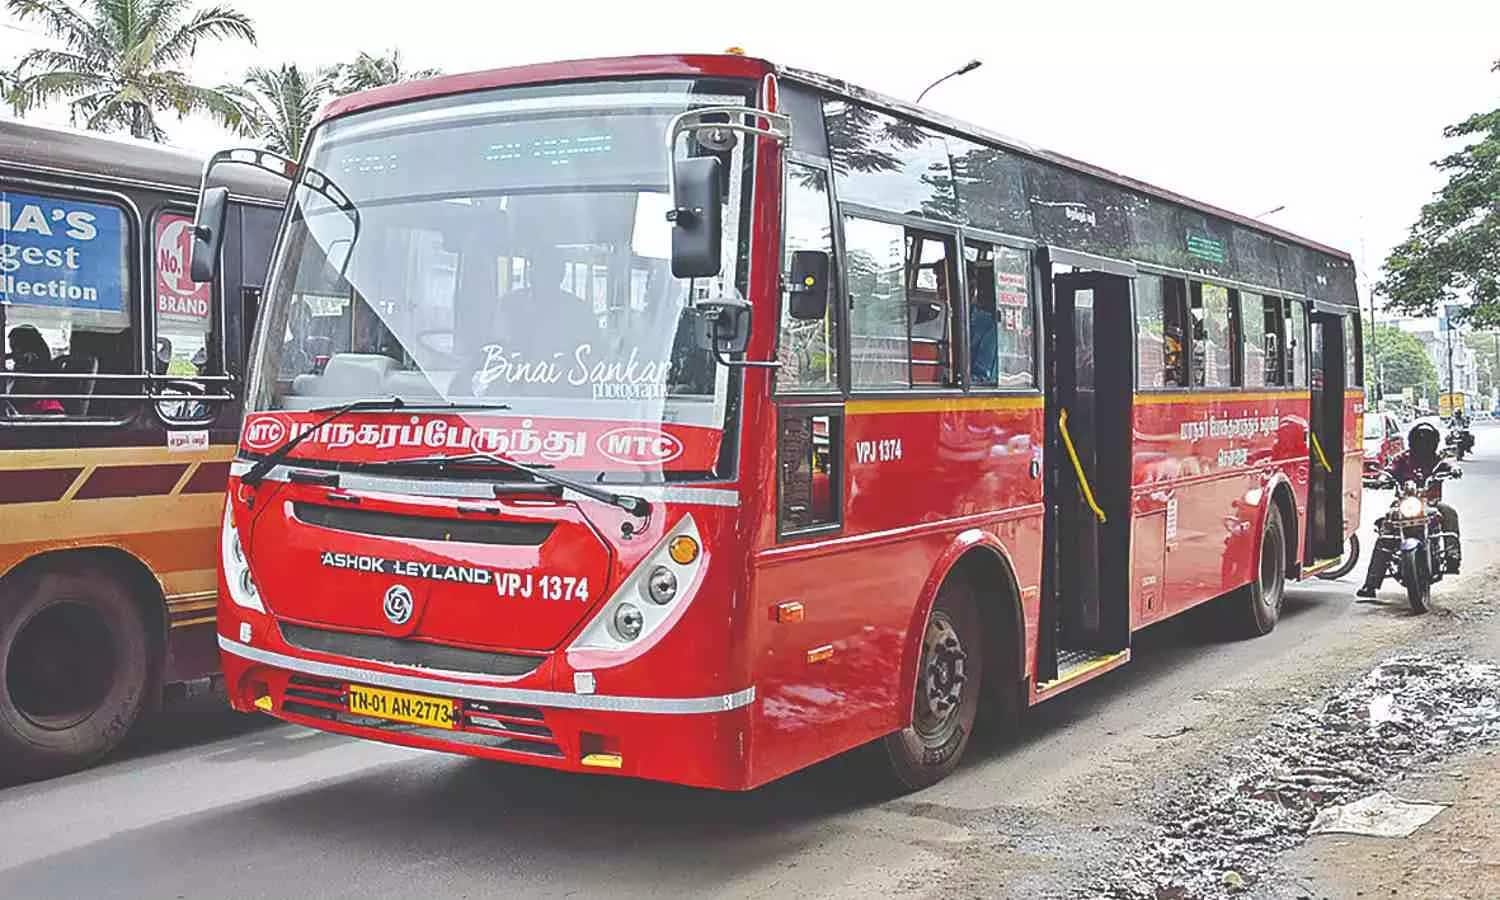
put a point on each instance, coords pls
(1318, 448)
(1083, 480)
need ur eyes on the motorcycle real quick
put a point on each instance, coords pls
(1412, 532)
(1460, 441)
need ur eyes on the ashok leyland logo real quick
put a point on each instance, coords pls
(398, 604)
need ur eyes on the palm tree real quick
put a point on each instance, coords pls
(121, 62)
(280, 104)
(367, 71)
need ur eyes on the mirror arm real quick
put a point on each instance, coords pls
(780, 130)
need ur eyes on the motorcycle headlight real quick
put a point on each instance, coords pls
(1411, 508)
(242, 588)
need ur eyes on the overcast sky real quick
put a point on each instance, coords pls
(1333, 110)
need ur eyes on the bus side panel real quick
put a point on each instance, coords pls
(1205, 461)
(1354, 458)
(918, 473)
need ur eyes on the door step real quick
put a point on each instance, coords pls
(1320, 565)
(1074, 667)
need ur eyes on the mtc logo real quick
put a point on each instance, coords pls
(264, 432)
(639, 446)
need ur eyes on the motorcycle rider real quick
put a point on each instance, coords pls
(1418, 463)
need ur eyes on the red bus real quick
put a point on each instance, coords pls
(697, 419)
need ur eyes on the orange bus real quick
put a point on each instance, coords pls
(119, 409)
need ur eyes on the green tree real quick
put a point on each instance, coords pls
(1398, 361)
(1453, 249)
(375, 70)
(121, 62)
(280, 104)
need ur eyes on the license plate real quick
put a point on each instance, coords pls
(398, 706)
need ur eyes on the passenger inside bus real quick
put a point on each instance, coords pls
(29, 353)
(569, 321)
(984, 326)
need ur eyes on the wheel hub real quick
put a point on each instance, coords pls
(943, 679)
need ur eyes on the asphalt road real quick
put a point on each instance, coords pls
(212, 804)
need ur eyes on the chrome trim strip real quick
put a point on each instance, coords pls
(487, 694)
(469, 490)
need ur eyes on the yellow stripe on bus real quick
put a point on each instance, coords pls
(109, 456)
(941, 404)
(1154, 398)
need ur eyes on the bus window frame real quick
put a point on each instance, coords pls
(1150, 271)
(217, 323)
(837, 300)
(134, 301)
(967, 235)
(949, 230)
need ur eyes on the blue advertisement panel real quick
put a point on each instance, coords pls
(62, 252)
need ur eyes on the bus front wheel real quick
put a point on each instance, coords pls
(74, 669)
(949, 678)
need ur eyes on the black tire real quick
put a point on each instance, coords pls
(1263, 596)
(74, 669)
(1417, 579)
(1351, 559)
(926, 751)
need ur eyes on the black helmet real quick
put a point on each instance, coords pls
(1423, 439)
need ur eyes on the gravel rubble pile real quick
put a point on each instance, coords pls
(1220, 832)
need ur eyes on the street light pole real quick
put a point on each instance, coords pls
(965, 69)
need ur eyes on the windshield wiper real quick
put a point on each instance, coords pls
(632, 504)
(257, 472)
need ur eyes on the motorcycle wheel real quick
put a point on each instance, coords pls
(1351, 559)
(1417, 579)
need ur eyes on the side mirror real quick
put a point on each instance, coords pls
(208, 233)
(808, 285)
(696, 217)
(723, 326)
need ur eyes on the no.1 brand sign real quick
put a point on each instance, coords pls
(177, 295)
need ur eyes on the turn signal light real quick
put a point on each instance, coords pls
(683, 549)
(264, 703)
(603, 760)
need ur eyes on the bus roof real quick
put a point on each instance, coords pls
(53, 150)
(736, 66)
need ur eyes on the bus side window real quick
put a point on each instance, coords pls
(1161, 338)
(809, 451)
(1296, 343)
(66, 297)
(808, 349)
(1213, 336)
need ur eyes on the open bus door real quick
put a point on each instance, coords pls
(1325, 494)
(1086, 616)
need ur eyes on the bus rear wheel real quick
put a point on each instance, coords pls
(949, 679)
(1263, 597)
(74, 669)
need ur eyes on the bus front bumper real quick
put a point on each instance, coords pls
(696, 741)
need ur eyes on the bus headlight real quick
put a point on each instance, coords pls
(628, 621)
(652, 597)
(661, 586)
(241, 585)
(1411, 508)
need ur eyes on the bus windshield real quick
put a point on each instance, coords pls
(508, 246)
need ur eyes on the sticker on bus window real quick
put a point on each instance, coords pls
(177, 295)
(62, 253)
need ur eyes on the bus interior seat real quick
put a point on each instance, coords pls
(77, 364)
(347, 375)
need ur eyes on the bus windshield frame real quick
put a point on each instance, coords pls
(508, 247)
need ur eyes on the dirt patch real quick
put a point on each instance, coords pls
(1219, 832)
